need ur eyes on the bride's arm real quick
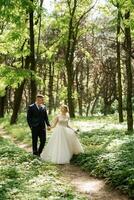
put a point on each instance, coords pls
(54, 122)
(69, 125)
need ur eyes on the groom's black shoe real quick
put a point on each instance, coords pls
(35, 153)
(38, 154)
(37, 157)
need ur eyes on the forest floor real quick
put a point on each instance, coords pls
(91, 187)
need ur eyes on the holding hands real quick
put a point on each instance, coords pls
(49, 128)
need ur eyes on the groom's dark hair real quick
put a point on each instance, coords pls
(39, 96)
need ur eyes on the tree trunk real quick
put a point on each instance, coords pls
(70, 98)
(39, 31)
(80, 106)
(70, 78)
(119, 67)
(32, 55)
(79, 87)
(71, 42)
(18, 94)
(2, 106)
(50, 86)
(17, 102)
(129, 74)
(107, 107)
(9, 104)
(94, 104)
(56, 98)
(87, 109)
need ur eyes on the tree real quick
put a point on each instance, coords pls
(74, 24)
(2, 106)
(32, 53)
(128, 71)
(109, 84)
(119, 64)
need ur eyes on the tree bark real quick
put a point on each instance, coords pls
(107, 107)
(50, 86)
(2, 106)
(94, 104)
(119, 67)
(79, 87)
(17, 102)
(32, 55)
(71, 42)
(70, 75)
(18, 95)
(129, 74)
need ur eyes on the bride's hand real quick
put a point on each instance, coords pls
(49, 128)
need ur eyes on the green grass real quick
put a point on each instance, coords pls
(19, 131)
(24, 177)
(109, 151)
(109, 154)
(113, 118)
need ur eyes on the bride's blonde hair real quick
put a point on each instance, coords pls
(65, 107)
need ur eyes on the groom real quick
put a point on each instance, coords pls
(37, 119)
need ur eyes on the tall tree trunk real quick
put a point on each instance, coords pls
(56, 98)
(50, 86)
(119, 67)
(2, 106)
(17, 102)
(9, 103)
(18, 94)
(129, 74)
(94, 104)
(71, 42)
(32, 55)
(107, 107)
(87, 109)
(70, 78)
(79, 87)
(70, 98)
(73, 29)
(39, 31)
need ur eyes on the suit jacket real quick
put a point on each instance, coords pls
(37, 117)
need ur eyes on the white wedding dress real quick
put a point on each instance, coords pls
(62, 144)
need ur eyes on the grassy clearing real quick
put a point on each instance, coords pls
(109, 153)
(24, 177)
(19, 131)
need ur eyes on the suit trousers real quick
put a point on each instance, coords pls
(38, 133)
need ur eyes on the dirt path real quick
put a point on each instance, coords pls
(92, 188)
(95, 189)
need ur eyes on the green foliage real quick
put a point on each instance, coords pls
(19, 131)
(14, 45)
(109, 154)
(13, 76)
(23, 176)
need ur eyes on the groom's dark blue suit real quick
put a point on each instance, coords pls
(37, 119)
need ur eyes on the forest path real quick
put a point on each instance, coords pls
(93, 188)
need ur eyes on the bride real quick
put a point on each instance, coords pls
(64, 142)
